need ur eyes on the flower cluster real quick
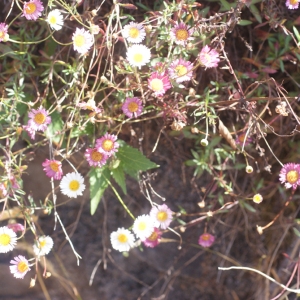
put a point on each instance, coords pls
(145, 228)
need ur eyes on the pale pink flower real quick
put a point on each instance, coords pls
(3, 32)
(134, 32)
(159, 83)
(206, 240)
(53, 168)
(30, 131)
(240, 139)
(154, 239)
(95, 158)
(107, 144)
(82, 40)
(162, 216)
(208, 57)
(20, 266)
(181, 70)
(16, 227)
(132, 107)
(181, 34)
(39, 119)
(292, 4)
(290, 175)
(32, 10)
(3, 190)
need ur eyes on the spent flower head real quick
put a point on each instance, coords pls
(257, 198)
(122, 239)
(95, 158)
(8, 239)
(83, 40)
(290, 175)
(181, 34)
(43, 245)
(159, 83)
(132, 107)
(32, 10)
(16, 227)
(53, 168)
(134, 32)
(55, 19)
(206, 240)
(138, 55)
(20, 266)
(162, 216)
(208, 57)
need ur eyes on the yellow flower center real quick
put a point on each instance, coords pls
(142, 226)
(22, 267)
(153, 237)
(42, 244)
(292, 176)
(79, 40)
(30, 8)
(122, 238)
(242, 137)
(181, 70)
(52, 20)
(205, 237)
(134, 32)
(2, 34)
(138, 57)
(133, 107)
(182, 34)
(54, 166)
(162, 216)
(293, 2)
(207, 57)
(108, 145)
(96, 156)
(74, 185)
(4, 239)
(39, 118)
(156, 84)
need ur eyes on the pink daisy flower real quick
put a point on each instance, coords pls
(159, 83)
(3, 32)
(154, 239)
(240, 139)
(16, 227)
(208, 57)
(181, 34)
(206, 240)
(162, 216)
(82, 40)
(30, 131)
(290, 175)
(53, 169)
(32, 10)
(132, 107)
(95, 158)
(3, 190)
(39, 119)
(292, 4)
(20, 266)
(107, 144)
(181, 70)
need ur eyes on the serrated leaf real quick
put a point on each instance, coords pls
(98, 184)
(119, 177)
(133, 159)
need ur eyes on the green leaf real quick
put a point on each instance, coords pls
(119, 177)
(244, 22)
(54, 127)
(296, 32)
(296, 231)
(247, 206)
(98, 184)
(255, 13)
(133, 159)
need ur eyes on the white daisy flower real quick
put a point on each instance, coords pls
(82, 40)
(43, 245)
(122, 239)
(134, 32)
(162, 216)
(72, 185)
(55, 19)
(8, 239)
(138, 55)
(143, 226)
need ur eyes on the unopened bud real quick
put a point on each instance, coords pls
(204, 142)
(249, 169)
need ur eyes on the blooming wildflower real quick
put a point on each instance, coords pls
(162, 216)
(181, 70)
(82, 40)
(16, 227)
(38, 119)
(32, 10)
(43, 245)
(242, 140)
(55, 19)
(290, 175)
(20, 266)
(249, 169)
(3, 190)
(181, 34)
(122, 239)
(95, 158)
(138, 55)
(154, 239)
(3, 32)
(53, 169)
(132, 107)
(206, 240)
(292, 4)
(143, 226)
(257, 198)
(8, 239)
(72, 185)
(107, 144)
(208, 57)
(134, 32)
(159, 83)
